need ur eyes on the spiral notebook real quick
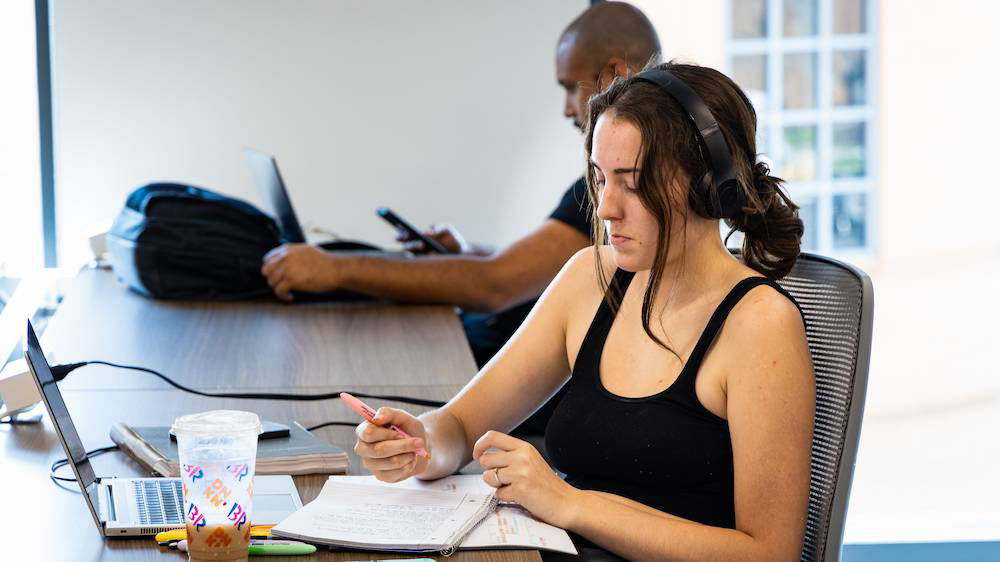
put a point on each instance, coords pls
(366, 517)
(509, 526)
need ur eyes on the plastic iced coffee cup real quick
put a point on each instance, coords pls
(217, 451)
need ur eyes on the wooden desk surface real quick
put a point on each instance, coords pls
(377, 349)
(213, 345)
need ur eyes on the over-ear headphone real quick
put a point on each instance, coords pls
(726, 199)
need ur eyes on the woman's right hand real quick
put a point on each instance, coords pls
(387, 454)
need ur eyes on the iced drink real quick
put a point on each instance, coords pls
(217, 451)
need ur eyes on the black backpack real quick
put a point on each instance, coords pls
(175, 241)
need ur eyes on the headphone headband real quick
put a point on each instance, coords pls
(725, 200)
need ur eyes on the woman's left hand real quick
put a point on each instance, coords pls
(520, 474)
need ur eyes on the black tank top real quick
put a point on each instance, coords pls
(666, 450)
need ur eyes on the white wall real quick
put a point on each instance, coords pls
(938, 193)
(444, 110)
(692, 32)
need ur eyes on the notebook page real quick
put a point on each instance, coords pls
(509, 526)
(512, 526)
(352, 514)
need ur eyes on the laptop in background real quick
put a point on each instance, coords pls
(277, 203)
(138, 506)
(271, 187)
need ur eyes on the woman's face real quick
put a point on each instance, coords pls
(632, 229)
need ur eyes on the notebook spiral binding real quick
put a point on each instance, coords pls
(494, 502)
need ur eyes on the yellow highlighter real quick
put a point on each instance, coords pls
(167, 537)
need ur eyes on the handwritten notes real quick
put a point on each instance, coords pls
(359, 515)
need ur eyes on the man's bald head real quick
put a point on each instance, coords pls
(610, 30)
(609, 39)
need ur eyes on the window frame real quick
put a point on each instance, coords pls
(825, 115)
(43, 55)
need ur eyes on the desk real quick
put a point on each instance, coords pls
(309, 348)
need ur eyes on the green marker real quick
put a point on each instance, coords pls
(279, 548)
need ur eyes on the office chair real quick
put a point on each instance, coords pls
(836, 300)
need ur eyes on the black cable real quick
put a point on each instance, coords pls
(63, 462)
(59, 372)
(15, 421)
(325, 424)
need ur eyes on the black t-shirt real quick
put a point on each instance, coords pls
(487, 333)
(574, 208)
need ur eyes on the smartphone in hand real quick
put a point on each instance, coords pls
(400, 224)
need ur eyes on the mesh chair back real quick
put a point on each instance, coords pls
(836, 300)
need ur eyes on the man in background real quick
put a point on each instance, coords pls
(496, 288)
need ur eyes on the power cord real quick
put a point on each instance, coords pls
(60, 372)
(63, 462)
(97, 452)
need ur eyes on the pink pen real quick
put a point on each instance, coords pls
(366, 411)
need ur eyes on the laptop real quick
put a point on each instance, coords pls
(139, 506)
(271, 187)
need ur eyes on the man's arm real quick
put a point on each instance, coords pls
(492, 283)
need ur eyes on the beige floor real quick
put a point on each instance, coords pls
(928, 461)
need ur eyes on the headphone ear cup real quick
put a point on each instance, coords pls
(730, 199)
(710, 196)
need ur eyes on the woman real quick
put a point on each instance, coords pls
(686, 428)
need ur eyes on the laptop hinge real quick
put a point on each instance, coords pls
(106, 495)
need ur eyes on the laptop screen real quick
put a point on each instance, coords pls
(64, 424)
(265, 173)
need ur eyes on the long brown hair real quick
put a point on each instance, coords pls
(670, 149)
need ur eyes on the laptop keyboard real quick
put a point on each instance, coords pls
(158, 501)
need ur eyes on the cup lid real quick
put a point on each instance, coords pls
(217, 422)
